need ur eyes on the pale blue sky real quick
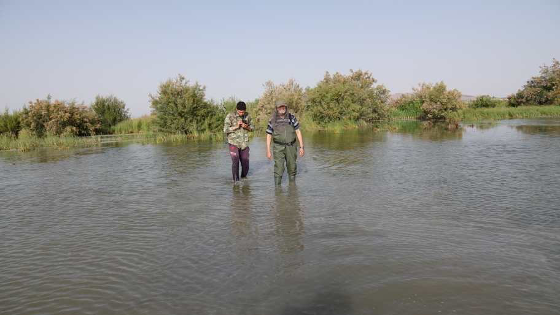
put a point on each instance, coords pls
(78, 49)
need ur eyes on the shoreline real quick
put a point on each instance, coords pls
(465, 116)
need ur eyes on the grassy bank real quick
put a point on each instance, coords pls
(504, 113)
(59, 142)
(143, 129)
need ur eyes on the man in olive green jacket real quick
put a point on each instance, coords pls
(283, 129)
(237, 126)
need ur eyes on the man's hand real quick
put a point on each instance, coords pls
(301, 152)
(268, 155)
(245, 126)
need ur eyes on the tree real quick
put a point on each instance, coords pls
(182, 108)
(10, 123)
(437, 102)
(540, 90)
(110, 111)
(348, 97)
(484, 101)
(44, 117)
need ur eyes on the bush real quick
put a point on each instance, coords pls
(290, 92)
(44, 117)
(182, 108)
(10, 124)
(354, 97)
(485, 101)
(437, 102)
(408, 105)
(229, 105)
(110, 111)
(541, 90)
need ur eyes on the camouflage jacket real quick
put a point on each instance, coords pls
(237, 137)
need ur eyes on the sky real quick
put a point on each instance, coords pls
(76, 50)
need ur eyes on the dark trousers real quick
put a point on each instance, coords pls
(238, 155)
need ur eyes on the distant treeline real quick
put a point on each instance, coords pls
(179, 106)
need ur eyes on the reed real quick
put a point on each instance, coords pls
(503, 113)
(144, 124)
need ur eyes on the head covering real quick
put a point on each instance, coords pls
(276, 115)
(280, 103)
(241, 106)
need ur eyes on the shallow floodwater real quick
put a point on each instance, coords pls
(415, 220)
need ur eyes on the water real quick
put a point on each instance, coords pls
(410, 221)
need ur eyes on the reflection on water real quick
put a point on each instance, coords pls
(289, 225)
(413, 220)
(45, 155)
(242, 222)
(549, 130)
(428, 131)
(348, 140)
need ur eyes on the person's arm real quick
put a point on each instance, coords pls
(269, 132)
(298, 134)
(268, 141)
(300, 140)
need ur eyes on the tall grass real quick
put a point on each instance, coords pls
(405, 114)
(33, 142)
(309, 125)
(503, 113)
(144, 124)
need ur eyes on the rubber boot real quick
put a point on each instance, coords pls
(278, 180)
(292, 178)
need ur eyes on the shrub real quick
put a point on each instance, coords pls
(290, 92)
(229, 105)
(353, 97)
(110, 111)
(408, 105)
(10, 124)
(540, 90)
(484, 101)
(182, 108)
(437, 102)
(59, 118)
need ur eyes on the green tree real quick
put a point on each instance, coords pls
(540, 90)
(352, 97)
(180, 107)
(10, 123)
(484, 101)
(110, 111)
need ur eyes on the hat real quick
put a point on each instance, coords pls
(281, 103)
(241, 106)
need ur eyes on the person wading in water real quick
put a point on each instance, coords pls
(283, 128)
(237, 126)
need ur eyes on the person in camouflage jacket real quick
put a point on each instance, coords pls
(237, 126)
